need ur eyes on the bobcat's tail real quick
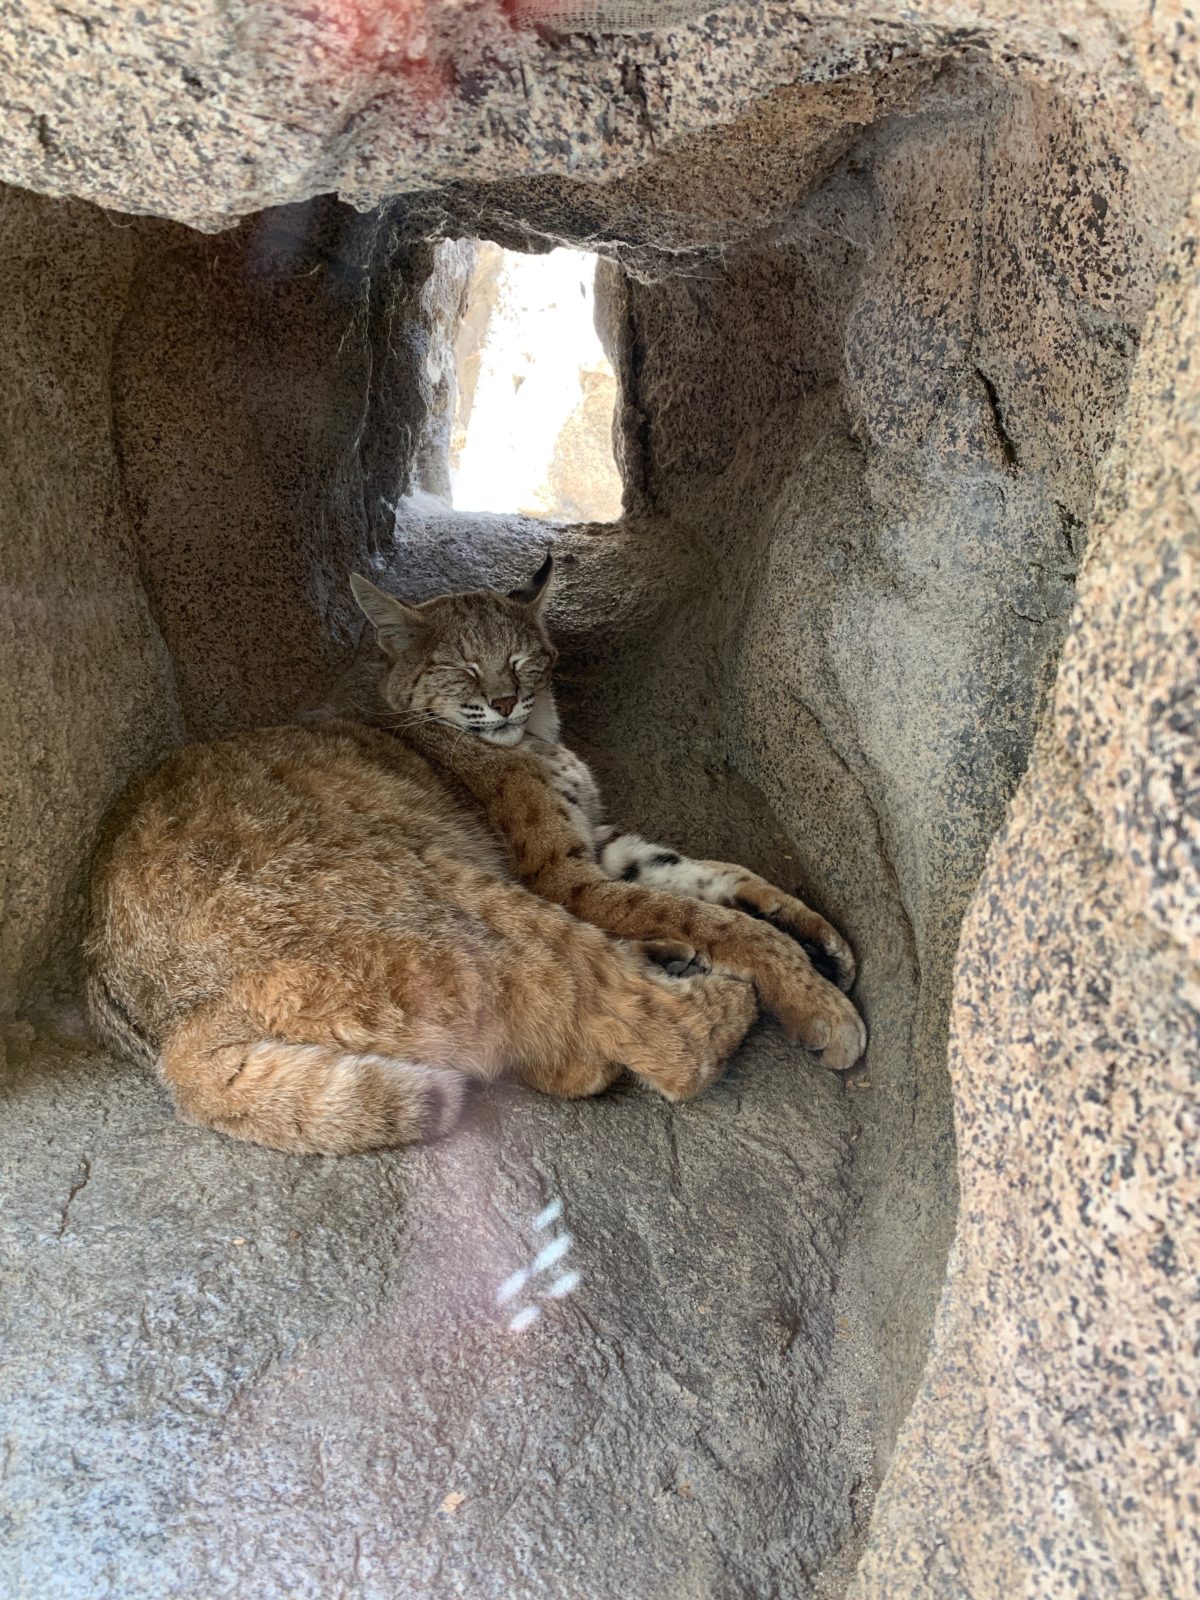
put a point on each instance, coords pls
(308, 1098)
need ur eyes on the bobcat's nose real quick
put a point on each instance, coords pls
(505, 707)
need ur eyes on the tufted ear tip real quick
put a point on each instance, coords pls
(534, 592)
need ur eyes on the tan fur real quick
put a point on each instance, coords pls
(320, 933)
(550, 855)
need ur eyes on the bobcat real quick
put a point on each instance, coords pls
(320, 933)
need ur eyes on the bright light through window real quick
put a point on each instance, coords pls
(534, 414)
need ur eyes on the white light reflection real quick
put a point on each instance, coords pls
(512, 1286)
(549, 1256)
(561, 1287)
(552, 1253)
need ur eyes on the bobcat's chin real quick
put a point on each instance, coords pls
(511, 733)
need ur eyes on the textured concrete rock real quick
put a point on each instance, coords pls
(1052, 1448)
(896, 495)
(890, 271)
(89, 693)
(277, 389)
(209, 110)
(204, 436)
(280, 1373)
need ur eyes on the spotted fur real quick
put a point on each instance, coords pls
(761, 941)
(321, 933)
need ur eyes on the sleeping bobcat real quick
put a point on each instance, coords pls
(320, 933)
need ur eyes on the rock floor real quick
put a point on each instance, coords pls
(233, 1372)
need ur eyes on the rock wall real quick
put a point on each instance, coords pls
(896, 493)
(89, 687)
(204, 436)
(273, 387)
(1051, 1449)
(887, 275)
(207, 111)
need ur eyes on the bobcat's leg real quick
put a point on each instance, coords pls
(373, 1044)
(551, 855)
(634, 860)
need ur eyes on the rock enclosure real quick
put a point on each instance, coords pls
(902, 304)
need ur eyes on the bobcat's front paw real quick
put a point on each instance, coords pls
(811, 1009)
(834, 1031)
(677, 959)
(824, 946)
(830, 955)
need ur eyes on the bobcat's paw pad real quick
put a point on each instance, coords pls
(677, 960)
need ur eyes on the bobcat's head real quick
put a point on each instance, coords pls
(477, 661)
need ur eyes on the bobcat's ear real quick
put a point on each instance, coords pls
(533, 594)
(396, 625)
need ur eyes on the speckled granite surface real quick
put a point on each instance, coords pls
(207, 110)
(893, 271)
(1052, 1450)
